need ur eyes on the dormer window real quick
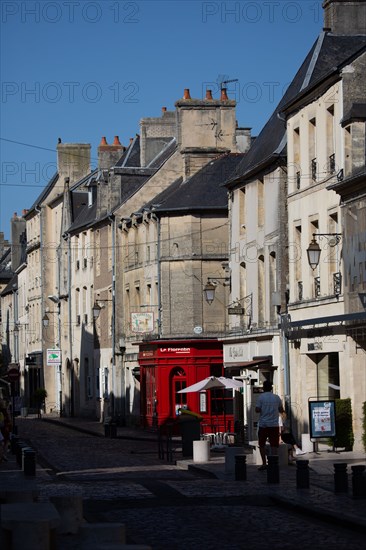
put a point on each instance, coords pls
(92, 195)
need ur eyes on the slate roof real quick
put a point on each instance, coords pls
(85, 217)
(134, 178)
(11, 286)
(164, 154)
(44, 193)
(131, 156)
(5, 260)
(326, 56)
(203, 191)
(356, 113)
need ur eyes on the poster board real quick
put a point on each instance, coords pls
(322, 418)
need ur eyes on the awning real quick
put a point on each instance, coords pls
(327, 320)
(263, 362)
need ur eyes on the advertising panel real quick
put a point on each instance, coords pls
(322, 419)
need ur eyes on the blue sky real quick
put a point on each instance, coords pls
(81, 70)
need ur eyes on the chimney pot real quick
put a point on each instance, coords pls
(163, 109)
(25, 212)
(224, 96)
(103, 141)
(116, 141)
(131, 140)
(209, 94)
(186, 95)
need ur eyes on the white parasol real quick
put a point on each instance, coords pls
(212, 382)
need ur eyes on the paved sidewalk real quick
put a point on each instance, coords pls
(319, 500)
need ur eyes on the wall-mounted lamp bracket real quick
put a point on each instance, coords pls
(313, 251)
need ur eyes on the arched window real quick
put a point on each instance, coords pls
(178, 382)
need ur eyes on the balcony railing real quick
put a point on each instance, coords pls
(313, 169)
(332, 164)
(337, 283)
(298, 180)
(317, 287)
(300, 291)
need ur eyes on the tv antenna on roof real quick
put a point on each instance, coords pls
(222, 84)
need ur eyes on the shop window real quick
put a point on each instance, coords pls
(179, 382)
(328, 376)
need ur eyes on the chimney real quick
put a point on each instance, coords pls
(155, 134)
(345, 17)
(108, 155)
(209, 95)
(224, 96)
(18, 241)
(186, 94)
(73, 160)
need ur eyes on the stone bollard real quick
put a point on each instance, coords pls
(302, 474)
(240, 468)
(70, 509)
(29, 461)
(340, 477)
(201, 451)
(358, 481)
(273, 470)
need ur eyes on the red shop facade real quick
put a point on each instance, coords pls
(169, 366)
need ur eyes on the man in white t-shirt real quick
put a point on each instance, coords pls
(269, 405)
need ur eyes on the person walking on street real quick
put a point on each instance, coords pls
(5, 430)
(288, 438)
(268, 406)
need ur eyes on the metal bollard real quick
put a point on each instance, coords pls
(273, 470)
(13, 443)
(340, 477)
(302, 474)
(19, 452)
(29, 461)
(113, 430)
(240, 468)
(358, 481)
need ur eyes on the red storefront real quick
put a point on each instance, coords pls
(169, 366)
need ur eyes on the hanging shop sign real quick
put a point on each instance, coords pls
(142, 322)
(53, 357)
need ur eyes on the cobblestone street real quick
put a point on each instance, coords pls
(165, 506)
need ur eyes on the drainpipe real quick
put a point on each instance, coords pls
(112, 219)
(39, 211)
(285, 321)
(71, 388)
(59, 324)
(157, 219)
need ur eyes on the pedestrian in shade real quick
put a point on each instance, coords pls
(269, 405)
(5, 430)
(288, 438)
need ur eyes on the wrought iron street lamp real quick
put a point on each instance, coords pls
(45, 320)
(210, 287)
(313, 251)
(96, 309)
